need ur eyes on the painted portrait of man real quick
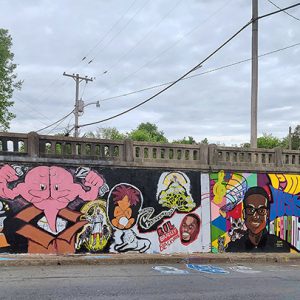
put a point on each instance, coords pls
(189, 229)
(256, 214)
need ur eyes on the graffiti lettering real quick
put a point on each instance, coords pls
(284, 204)
(145, 220)
(167, 234)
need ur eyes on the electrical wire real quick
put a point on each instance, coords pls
(173, 45)
(145, 36)
(55, 122)
(119, 32)
(56, 127)
(109, 31)
(32, 108)
(284, 11)
(202, 73)
(191, 70)
(91, 50)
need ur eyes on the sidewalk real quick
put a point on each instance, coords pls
(137, 258)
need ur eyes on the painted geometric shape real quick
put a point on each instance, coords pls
(214, 211)
(216, 232)
(220, 222)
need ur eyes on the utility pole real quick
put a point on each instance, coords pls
(77, 79)
(254, 78)
(290, 138)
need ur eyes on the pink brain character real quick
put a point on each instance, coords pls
(49, 189)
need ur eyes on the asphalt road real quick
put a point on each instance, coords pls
(228, 281)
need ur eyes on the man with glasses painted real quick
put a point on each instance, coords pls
(256, 215)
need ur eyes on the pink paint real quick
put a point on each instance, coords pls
(49, 189)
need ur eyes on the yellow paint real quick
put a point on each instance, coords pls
(219, 189)
(286, 182)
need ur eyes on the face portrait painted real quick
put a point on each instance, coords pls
(189, 229)
(256, 214)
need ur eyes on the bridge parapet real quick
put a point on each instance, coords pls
(129, 153)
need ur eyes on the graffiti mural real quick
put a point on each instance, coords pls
(131, 242)
(254, 212)
(3, 209)
(167, 234)
(189, 228)
(46, 222)
(54, 209)
(125, 201)
(94, 235)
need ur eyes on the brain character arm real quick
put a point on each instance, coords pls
(7, 175)
(94, 181)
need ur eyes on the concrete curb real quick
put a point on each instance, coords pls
(7, 260)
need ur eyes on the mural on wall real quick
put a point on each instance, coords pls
(124, 203)
(189, 228)
(95, 235)
(173, 192)
(46, 222)
(167, 235)
(3, 208)
(52, 209)
(254, 212)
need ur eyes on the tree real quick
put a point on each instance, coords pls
(147, 132)
(188, 141)
(204, 141)
(296, 138)
(8, 78)
(108, 133)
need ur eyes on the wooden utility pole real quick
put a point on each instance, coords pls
(254, 76)
(290, 138)
(77, 79)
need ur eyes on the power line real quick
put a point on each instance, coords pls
(174, 44)
(191, 70)
(145, 36)
(283, 11)
(56, 127)
(89, 51)
(196, 75)
(56, 121)
(32, 107)
(109, 31)
(122, 29)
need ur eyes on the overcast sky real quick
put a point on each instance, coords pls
(136, 44)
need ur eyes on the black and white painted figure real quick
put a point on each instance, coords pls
(131, 242)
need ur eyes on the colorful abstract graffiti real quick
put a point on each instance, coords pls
(254, 212)
(53, 209)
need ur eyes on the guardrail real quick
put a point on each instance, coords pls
(143, 154)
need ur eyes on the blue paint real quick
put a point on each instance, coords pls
(170, 270)
(6, 258)
(284, 204)
(98, 256)
(207, 269)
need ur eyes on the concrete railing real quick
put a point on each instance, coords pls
(127, 153)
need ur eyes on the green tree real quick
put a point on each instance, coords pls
(8, 78)
(204, 141)
(295, 139)
(147, 132)
(108, 133)
(189, 141)
(268, 141)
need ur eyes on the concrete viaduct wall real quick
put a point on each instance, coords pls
(67, 195)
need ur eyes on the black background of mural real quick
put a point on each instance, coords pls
(146, 180)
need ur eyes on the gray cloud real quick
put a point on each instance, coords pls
(155, 42)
